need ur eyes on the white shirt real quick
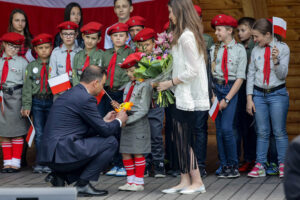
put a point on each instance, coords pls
(190, 68)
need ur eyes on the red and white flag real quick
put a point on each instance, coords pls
(100, 95)
(59, 83)
(30, 133)
(214, 110)
(1, 102)
(279, 26)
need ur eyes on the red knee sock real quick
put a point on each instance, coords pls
(129, 166)
(140, 165)
(7, 153)
(17, 146)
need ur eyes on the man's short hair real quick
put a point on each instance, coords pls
(92, 73)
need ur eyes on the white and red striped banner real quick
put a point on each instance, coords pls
(30, 133)
(279, 26)
(59, 83)
(214, 110)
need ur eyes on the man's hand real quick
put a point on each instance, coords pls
(110, 116)
(122, 115)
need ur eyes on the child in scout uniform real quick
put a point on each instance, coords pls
(145, 41)
(116, 79)
(229, 61)
(135, 137)
(135, 25)
(91, 34)
(36, 95)
(243, 121)
(122, 9)
(267, 96)
(61, 60)
(13, 126)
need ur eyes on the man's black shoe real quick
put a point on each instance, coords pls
(55, 180)
(89, 190)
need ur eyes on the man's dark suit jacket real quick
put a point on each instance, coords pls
(292, 171)
(75, 131)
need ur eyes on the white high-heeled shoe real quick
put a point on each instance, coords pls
(172, 190)
(192, 191)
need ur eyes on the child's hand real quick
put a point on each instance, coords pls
(114, 104)
(25, 113)
(275, 53)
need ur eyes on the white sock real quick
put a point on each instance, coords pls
(6, 162)
(138, 181)
(16, 162)
(130, 179)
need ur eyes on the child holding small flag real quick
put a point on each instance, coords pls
(13, 126)
(229, 61)
(36, 95)
(91, 34)
(267, 96)
(135, 137)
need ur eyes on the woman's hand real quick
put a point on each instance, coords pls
(164, 85)
(250, 106)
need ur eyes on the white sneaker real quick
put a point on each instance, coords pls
(112, 171)
(192, 191)
(125, 187)
(172, 190)
(121, 172)
(135, 188)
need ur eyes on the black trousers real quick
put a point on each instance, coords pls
(88, 169)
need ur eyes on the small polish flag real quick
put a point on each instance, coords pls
(59, 83)
(1, 102)
(30, 133)
(279, 26)
(213, 112)
(100, 95)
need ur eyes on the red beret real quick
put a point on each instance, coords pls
(14, 38)
(166, 26)
(92, 27)
(136, 21)
(145, 34)
(223, 20)
(41, 39)
(198, 10)
(131, 60)
(119, 27)
(68, 25)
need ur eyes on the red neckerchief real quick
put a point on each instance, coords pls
(267, 68)
(44, 74)
(224, 64)
(111, 68)
(68, 62)
(86, 63)
(128, 96)
(4, 71)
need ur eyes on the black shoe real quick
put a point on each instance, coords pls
(159, 170)
(224, 173)
(55, 180)
(234, 172)
(203, 172)
(89, 190)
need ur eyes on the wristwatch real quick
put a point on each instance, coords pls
(226, 100)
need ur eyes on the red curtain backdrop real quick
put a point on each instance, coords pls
(45, 19)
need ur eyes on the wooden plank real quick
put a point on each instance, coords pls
(236, 13)
(292, 128)
(294, 70)
(294, 105)
(294, 93)
(284, 11)
(278, 193)
(283, 2)
(214, 189)
(293, 82)
(224, 4)
(293, 116)
(263, 192)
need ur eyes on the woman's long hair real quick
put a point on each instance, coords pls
(187, 17)
(68, 12)
(27, 34)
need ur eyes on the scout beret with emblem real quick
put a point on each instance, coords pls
(14, 38)
(41, 39)
(67, 25)
(131, 60)
(91, 28)
(119, 27)
(136, 21)
(145, 34)
(223, 20)
(198, 10)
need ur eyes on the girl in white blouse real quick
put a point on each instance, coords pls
(190, 82)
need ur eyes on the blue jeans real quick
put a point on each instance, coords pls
(271, 107)
(40, 110)
(200, 137)
(226, 140)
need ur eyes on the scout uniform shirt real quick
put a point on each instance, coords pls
(236, 61)
(79, 61)
(58, 59)
(34, 81)
(120, 76)
(16, 74)
(208, 41)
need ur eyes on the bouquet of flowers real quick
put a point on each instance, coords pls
(158, 67)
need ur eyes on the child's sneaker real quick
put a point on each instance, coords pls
(219, 170)
(46, 169)
(38, 169)
(257, 171)
(125, 187)
(233, 173)
(224, 172)
(121, 172)
(281, 170)
(112, 171)
(135, 187)
(159, 170)
(247, 166)
(272, 169)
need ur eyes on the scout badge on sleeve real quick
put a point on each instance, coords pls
(1, 102)
(213, 112)
(30, 133)
(59, 83)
